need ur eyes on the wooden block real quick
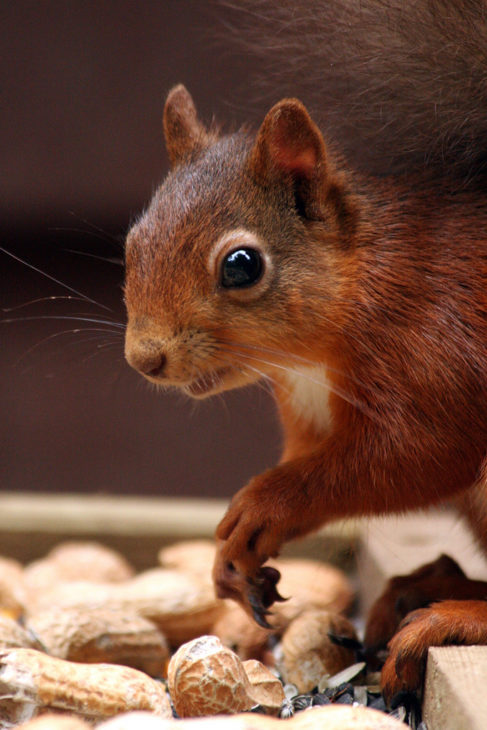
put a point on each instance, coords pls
(454, 696)
(398, 545)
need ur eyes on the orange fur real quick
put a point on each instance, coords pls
(380, 285)
(448, 622)
(440, 580)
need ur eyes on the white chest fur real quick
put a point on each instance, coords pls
(309, 392)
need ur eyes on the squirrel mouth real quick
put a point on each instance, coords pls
(206, 383)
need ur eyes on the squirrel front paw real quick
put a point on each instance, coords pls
(274, 507)
(248, 536)
(255, 593)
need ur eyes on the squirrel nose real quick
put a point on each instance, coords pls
(147, 360)
(154, 366)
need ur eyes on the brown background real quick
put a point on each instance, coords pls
(83, 85)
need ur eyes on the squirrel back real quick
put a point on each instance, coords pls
(399, 86)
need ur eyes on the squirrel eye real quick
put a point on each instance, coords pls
(240, 268)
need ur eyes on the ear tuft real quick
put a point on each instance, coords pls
(185, 135)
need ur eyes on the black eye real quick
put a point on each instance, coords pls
(241, 268)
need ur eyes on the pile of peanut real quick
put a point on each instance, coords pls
(84, 642)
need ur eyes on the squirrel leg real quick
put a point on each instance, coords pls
(286, 502)
(271, 509)
(448, 622)
(439, 580)
(356, 473)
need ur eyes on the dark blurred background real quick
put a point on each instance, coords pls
(83, 86)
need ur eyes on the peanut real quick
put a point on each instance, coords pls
(308, 653)
(31, 679)
(206, 678)
(13, 589)
(13, 635)
(53, 721)
(332, 717)
(75, 561)
(181, 606)
(102, 635)
(267, 689)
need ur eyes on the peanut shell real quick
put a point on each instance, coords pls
(180, 605)
(239, 632)
(331, 717)
(309, 584)
(267, 689)
(206, 678)
(101, 635)
(138, 720)
(31, 681)
(190, 556)
(308, 653)
(75, 561)
(341, 717)
(53, 721)
(13, 635)
(13, 588)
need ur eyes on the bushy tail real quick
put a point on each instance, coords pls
(399, 84)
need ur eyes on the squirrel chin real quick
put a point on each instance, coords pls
(215, 381)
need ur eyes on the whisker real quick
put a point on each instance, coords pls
(70, 229)
(116, 261)
(108, 236)
(64, 332)
(63, 317)
(95, 353)
(298, 359)
(84, 341)
(107, 320)
(107, 344)
(42, 299)
(331, 386)
(55, 354)
(266, 381)
(95, 232)
(270, 350)
(52, 278)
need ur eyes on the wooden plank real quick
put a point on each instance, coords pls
(109, 514)
(455, 697)
(32, 523)
(398, 545)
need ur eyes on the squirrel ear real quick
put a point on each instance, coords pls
(183, 131)
(290, 146)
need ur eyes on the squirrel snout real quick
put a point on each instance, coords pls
(146, 359)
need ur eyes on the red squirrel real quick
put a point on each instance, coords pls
(360, 297)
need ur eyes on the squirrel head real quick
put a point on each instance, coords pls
(225, 268)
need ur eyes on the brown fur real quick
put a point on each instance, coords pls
(380, 283)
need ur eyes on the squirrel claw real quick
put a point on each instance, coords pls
(262, 593)
(259, 613)
(266, 581)
(254, 593)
